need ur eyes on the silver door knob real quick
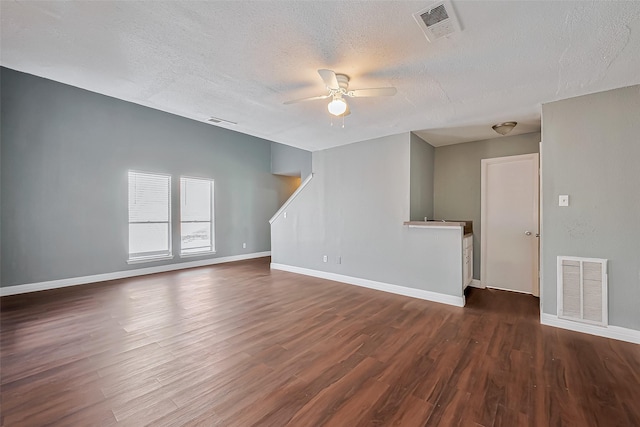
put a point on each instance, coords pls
(528, 233)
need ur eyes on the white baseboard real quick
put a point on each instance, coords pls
(73, 281)
(371, 284)
(475, 283)
(613, 332)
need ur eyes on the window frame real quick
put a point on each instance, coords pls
(211, 221)
(154, 255)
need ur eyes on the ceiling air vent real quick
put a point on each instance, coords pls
(437, 21)
(219, 120)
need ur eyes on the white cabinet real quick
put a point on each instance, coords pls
(467, 260)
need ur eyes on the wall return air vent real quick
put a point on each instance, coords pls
(438, 20)
(582, 290)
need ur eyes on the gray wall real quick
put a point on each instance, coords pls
(65, 157)
(457, 179)
(290, 161)
(422, 158)
(591, 151)
(354, 208)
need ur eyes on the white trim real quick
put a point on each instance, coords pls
(379, 286)
(290, 199)
(142, 260)
(212, 214)
(540, 221)
(509, 290)
(73, 281)
(613, 332)
(150, 258)
(475, 283)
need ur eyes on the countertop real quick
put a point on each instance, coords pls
(467, 225)
(435, 223)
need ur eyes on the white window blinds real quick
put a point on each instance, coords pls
(196, 216)
(149, 215)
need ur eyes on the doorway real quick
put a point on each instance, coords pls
(509, 223)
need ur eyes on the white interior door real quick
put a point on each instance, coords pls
(509, 223)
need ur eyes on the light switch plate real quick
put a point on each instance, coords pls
(563, 200)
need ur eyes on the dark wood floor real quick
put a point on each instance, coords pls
(239, 345)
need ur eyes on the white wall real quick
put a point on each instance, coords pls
(290, 161)
(457, 179)
(65, 157)
(422, 170)
(354, 208)
(591, 151)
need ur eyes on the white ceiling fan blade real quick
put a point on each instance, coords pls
(329, 78)
(379, 91)
(313, 98)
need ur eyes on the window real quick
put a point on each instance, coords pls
(149, 216)
(196, 216)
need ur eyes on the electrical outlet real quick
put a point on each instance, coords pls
(325, 258)
(285, 215)
(244, 246)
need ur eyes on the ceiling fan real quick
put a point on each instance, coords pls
(338, 86)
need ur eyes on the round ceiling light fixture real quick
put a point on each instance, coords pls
(337, 106)
(504, 128)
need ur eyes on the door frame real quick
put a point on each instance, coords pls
(483, 216)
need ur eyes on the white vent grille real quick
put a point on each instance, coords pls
(437, 20)
(219, 120)
(582, 289)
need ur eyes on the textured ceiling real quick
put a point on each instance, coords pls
(241, 60)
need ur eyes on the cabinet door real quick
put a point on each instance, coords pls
(465, 269)
(467, 260)
(469, 263)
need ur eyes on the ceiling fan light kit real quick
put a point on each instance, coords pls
(504, 128)
(338, 87)
(337, 106)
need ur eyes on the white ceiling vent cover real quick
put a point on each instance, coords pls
(219, 120)
(582, 290)
(438, 20)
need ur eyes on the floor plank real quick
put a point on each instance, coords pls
(239, 345)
